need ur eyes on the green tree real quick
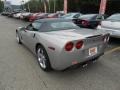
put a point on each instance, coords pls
(1, 6)
(34, 6)
(83, 6)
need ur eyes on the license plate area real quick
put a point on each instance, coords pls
(93, 51)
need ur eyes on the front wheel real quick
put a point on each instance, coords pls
(18, 38)
(43, 59)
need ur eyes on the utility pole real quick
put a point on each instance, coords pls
(102, 7)
(49, 5)
(45, 8)
(65, 6)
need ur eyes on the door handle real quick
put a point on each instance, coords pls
(34, 35)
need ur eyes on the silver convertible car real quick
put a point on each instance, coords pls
(111, 25)
(59, 43)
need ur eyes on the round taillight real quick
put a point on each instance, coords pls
(69, 46)
(79, 44)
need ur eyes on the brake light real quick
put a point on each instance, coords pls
(85, 23)
(79, 44)
(69, 46)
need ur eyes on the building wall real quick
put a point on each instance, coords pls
(7, 6)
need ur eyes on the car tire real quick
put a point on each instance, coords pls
(43, 59)
(18, 38)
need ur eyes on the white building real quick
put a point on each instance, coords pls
(7, 6)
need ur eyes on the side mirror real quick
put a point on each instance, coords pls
(23, 28)
(20, 27)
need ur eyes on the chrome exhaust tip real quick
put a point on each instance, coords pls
(85, 65)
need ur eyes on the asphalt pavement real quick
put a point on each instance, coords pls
(19, 69)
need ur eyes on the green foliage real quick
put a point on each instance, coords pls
(1, 6)
(74, 5)
(38, 5)
(83, 6)
(33, 5)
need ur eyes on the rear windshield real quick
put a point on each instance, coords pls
(63, 25)
(58, 26)
(88, 16)
(115, 17)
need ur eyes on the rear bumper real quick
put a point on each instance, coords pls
(63, 65)
(63, 61)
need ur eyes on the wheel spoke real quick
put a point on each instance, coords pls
(41, 58)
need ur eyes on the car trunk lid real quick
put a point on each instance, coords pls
(73, 33)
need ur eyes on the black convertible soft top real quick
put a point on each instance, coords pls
(55, 24)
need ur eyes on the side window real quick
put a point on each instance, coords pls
(34, 26)
(29, 27)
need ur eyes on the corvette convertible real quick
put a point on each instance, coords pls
(59, 43)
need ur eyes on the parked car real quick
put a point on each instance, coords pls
(25, 16)
(33, 17)
(42, 15)
(59, 43)
(89, 20)
(71, 15)
(12, 13)
(4, 13)
(17, 15)
(38, 16)
(61, 13)
(55, 15)
(111, 25)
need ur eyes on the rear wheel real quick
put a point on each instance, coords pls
(18, 38)
(43, 58)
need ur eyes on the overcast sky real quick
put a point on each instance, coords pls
(16, 2)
